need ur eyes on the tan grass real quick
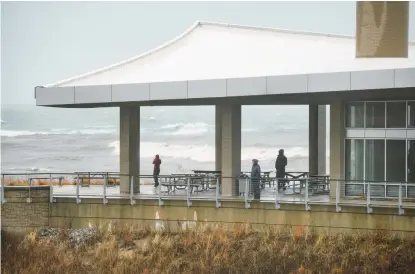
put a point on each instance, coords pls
(212, 250)
(35, 182)
(65, 182)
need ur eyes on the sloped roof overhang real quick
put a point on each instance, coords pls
(212, 61)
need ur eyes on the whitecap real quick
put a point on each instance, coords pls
(186, 129)
(206, 153)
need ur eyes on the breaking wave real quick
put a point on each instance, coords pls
(206, 153)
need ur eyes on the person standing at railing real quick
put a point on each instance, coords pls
(280, 165)
(255, 179)
(156, 170)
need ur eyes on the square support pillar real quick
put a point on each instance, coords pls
(317, 139)
(337, 135)
(230, 124)
(130, 148)
(382, 29)
(218, 138)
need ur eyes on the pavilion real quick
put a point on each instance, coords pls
(372, 100)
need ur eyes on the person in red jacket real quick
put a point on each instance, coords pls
(156, 170)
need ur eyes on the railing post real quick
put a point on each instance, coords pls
(401, 211)
(29, 199)
(132, 201)
(277, 196)
(78, 200)
(338, 189)
(369, 209)
(104, 192)
(51, 200)
(3, 200)
(307, 206)
(161, 202)
(218, 204)
(189, 203)
(247, 189)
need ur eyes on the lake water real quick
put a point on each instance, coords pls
(70, 140)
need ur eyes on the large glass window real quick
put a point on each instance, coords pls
(355, 115)
(375, 115)
(396, 114)
(395, 160)
(411, 114)
(354, 159)
(375, 160)
(411, 161)
(380, 156)
(411, 169)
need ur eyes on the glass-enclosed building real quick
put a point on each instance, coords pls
(380, 147)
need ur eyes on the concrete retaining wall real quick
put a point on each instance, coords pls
(147, 212)
(19, 216)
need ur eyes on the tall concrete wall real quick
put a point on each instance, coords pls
(129, 147)
(337, 134)
(18, 216)
(317, 139)
(382, 28)
(230, 124)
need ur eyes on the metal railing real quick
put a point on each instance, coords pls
(376, 194)
(305, 189)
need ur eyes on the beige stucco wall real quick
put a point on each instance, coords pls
(147, 212)
(18, 216)
(382, 28)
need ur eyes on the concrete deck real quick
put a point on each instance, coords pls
(147, 192)
(268, 195)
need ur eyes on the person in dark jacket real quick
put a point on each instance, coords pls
(156, 170)
(280, 165)
(256, 178)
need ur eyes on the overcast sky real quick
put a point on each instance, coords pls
(49, 41)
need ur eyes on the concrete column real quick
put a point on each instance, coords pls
(382, 28)
(337, 134)
(218, 138)
(231, 148)
(130, 147)
(317, 139)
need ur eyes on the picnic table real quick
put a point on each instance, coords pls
(208, 172)
(319, 182)
(85, 178)
(316, 182)
(180, 182)
(211, 177)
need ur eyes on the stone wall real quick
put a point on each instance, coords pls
(20, 215)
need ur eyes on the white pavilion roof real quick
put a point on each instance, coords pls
(213, 60)
(217, 51)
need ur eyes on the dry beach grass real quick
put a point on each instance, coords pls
(209, 249)
(64, 182)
